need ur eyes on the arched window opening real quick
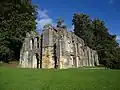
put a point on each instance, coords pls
(35, 61)
(37, 57)
(37, 42)
(55, 57)
(32, 43)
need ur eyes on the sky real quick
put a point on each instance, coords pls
(107, 10)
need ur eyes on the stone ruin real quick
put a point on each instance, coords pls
(56, 48)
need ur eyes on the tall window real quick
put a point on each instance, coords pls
(37, 42)
(32, 43)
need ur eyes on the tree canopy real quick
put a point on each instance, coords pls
(17, 17)
(61, 24)
(96, 35)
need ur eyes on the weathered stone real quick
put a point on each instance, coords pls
(56, 48)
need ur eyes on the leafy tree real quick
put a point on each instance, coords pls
(96, 36)
(105, 43)
(83, 29)
(47, 26)
(18, 17)
(60, 24)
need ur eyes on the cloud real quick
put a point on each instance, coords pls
(42, 14)
(118, 38)
(42, 19)
(110, 1)
(42, 22)
(71, 28)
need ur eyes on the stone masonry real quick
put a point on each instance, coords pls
(56, 48)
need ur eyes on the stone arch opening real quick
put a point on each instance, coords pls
(35, 60)
(95, 63)
(32, 43)
(37, 42)
(55, 57)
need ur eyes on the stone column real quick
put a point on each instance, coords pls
(61, 62)
(79, 55)
(75, 56)
(29, 59)
(82, 57)
(71, 61)
(35, 43)
(77, 62)
(21, 58)
(96, 59)
(30, 44)
(92, 59)
(89, 56)
(86, 56)
(26, 61)
(34, 61)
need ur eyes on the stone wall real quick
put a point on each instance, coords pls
(30, 51)
(56, 48)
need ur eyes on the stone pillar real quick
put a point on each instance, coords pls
(92, 59)
(86, 56)
(30, 44)
(96, 59)
(35, 43)
(34, 61)
(51, 59)
(79, 55)
(75, 55)
(89, 56)
(25, 61)
(77, 62)
(71, 61)
(48, 49)
(21, 58)
(27, 58)
(82, 57)
(61, 62)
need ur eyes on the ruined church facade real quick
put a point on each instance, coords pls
(56, 48)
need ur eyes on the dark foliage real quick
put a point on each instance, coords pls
(17, 17)
(95, 34)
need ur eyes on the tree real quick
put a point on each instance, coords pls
(96, 35)
(105, 43)
(60, 24)
(83, 29)
(18, 18)
(47, 26)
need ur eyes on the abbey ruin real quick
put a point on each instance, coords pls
(56, 48)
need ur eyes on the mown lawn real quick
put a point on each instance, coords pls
(71, 79)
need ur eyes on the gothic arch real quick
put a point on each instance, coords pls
(32, 43)
(35, 60)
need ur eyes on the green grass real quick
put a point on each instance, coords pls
(70, 79)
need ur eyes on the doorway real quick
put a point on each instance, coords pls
(35, 63)
(55, 58)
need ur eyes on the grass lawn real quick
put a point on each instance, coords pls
(70, 79)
